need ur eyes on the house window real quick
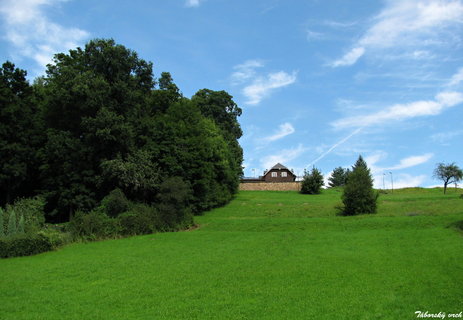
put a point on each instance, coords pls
(274, 174)
(284, 174)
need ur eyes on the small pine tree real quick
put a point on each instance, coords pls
(312, 182)
(338, 177)
(12, 223)
(359, 197)
(2, 227)
(21, 224)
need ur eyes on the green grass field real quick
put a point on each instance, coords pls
(267, 255)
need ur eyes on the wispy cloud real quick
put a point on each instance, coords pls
(456, 79)
(314, 35)
(284, 130)
(245, 71)
(411, 161)
(349, 58)
(444, 137)
(193, 3)
(32, 34)
(406, 23)
(257, 85)
(405, 163)
(284, 156)
(263, 86)
(402, 180)
(400, 112)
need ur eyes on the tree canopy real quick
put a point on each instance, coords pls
(448, 173)
(100, 121)
(359, 197)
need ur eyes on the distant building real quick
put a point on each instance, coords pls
(278, 173)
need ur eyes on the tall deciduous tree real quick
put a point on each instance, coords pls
(19, 135)
(359, 197)
(448, 173)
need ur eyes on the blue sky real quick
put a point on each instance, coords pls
(319, 82)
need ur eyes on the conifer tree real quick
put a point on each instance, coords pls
(12, 223)
(359, 197)
(2, 229)
(21, 225)
(312, 182)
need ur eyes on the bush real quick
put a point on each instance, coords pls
(24, 245)
(312, 182)
(174, 203)
(115, 203)
(142, 219)
(93, 226)
(359, 197)
(32, 211)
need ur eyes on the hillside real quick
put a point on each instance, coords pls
(269, 255)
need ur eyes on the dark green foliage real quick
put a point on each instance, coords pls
(174, 203)
(25, 245)
(312, 182)
(338, 177)
(115, 203)
(2, 226)
(21, 225)
(93, 226)
(141, 219)
(20, 135)
(448, 173)
(32, 212)
(12, 230)
(96, 135)
(359, 197)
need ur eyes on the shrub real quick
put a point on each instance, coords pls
(32, 211)
(142, 219)
(312, 182)
(115, 203)
(24, 245)
(11, 223)
(2, 227)
(359, 197)
(93, 226)
(174, 203)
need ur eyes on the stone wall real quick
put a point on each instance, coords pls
(271, 186)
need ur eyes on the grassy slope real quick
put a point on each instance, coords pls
(274, 255)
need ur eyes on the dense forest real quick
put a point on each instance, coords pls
(99, 126)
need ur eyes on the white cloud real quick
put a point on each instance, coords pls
(313, 35)
(411, 161)
(407, 23)
(444, 137)
(32, 34)
(349, 58)
(193, 3)
(261, 87)
(400, 181)
(404, 163)
(456, 79)
(284, 130)
(400, 112)
(245, 71)
(283, 157)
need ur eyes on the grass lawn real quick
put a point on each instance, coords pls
(269, 255)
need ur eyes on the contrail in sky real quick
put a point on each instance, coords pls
(335, 146)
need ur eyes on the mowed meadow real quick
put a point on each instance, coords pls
(266, 255)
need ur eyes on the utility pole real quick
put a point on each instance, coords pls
(392, 183)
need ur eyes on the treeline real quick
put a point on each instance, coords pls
(99, 131)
